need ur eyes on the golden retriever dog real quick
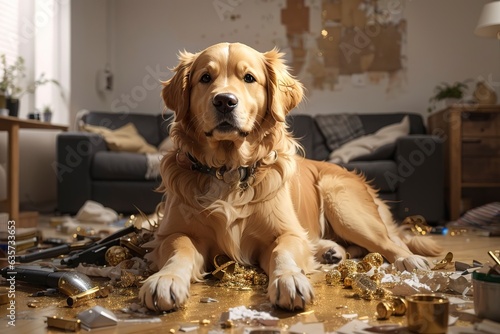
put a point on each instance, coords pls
(235, 185)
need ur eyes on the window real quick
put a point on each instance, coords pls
(33, 29)
(9, 27)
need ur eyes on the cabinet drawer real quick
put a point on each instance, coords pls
(480, 146)
(480, 124)
(481, 169)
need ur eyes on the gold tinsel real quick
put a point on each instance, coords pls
(346, 268)
(364, 287)
(377, 276)
(417, 224)
(116, 254)
(444, 263)
(356, 275)
(233, 275)
(128, 279)
(349, 280)
(333, 277)
(363, 266)
(375, 259)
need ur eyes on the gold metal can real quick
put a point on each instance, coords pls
(400, 305)
(384, 310)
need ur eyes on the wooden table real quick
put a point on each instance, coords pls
(471, 134)
(12, 125)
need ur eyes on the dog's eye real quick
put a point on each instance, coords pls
(249, 78)
(205, 78)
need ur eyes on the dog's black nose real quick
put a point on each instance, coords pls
(225, 102)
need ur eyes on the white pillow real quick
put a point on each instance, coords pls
(369, 143)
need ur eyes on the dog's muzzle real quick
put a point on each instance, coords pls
(225, 104)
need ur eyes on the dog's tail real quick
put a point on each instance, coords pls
(423, 245)
(420, 245)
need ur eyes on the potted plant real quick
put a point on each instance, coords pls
(446, 94)
(47, 113)
(12, 80)
(9, 85)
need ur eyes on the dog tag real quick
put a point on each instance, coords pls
(231, 176)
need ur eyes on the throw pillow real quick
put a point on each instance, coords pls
(370, 143)
(125, 139)
(339, 128)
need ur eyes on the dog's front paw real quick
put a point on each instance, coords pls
(290, 290)
(164, 292)
(412, 262)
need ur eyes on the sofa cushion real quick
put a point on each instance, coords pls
(365, 145)
(339, 129)
(147, 125)
(376, 171)
(307, 131)
(384, 152)
(373, 122)
(108, 165)
(124, 139)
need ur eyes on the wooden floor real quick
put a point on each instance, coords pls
(332, 305)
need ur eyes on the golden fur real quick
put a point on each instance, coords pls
(230, 104)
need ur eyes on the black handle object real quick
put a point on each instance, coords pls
(69, 282)
(92, 255)
(118, 234)
(34, 276)
(44, 254)
(65, 249)
(95, 254)
(54, 251)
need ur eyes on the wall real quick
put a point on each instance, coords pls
(88, 54)
(441, 46)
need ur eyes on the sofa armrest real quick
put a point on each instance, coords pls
(420, 179)
(75, 151)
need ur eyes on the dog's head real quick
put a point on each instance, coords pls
(230, 93)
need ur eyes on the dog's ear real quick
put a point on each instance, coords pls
(284, 92)
(176, 90)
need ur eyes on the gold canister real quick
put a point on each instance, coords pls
(384, 310)
(400, 306)
(427, 313)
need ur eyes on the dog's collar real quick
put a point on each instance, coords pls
(243, 175)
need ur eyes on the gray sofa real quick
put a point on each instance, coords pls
(87, 170)
(408, 174)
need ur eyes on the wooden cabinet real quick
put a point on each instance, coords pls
(471, 134)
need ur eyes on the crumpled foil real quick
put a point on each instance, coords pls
(369, 279)
(125, 274)
(247, 316)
